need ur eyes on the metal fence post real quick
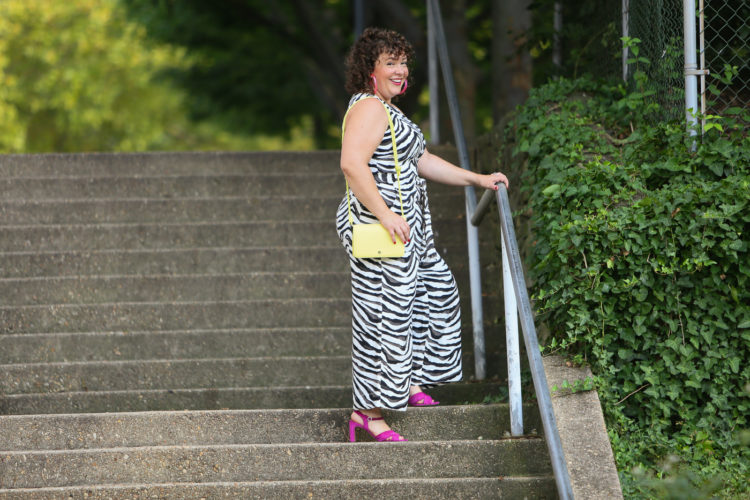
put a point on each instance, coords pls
(704, 72)
(625, 33)
(691, 67)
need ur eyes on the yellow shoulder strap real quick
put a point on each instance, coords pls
(395, 158)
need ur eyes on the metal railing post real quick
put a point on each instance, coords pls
(432, 78)
(512, 347)
(511, 264)
(512, 257)
(475, 281)
(475, 278)
(554, 445)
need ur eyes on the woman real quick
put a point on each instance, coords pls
(406, 324)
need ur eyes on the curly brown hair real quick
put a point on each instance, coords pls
(365, 52)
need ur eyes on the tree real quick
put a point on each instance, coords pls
(71, 73)
(511, 65)
(258, 66)
(78, 76)
(264, 66)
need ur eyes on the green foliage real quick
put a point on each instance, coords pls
(581, 385)
(78, 76)
(255, 66)
(258, 66)
(589, 38)
(641, 268)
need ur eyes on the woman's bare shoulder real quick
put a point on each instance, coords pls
(368, 106)
(369, 110)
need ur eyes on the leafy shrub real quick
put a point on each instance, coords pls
(641, 268)
(77, 75)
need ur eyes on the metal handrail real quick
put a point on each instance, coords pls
(477, 315)
(513, 276)
(513, 279)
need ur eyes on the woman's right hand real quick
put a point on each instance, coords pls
(396, 225)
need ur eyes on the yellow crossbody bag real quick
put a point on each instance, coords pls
(373, 240)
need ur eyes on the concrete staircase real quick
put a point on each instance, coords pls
(177, 326)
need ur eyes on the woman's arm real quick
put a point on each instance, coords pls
(365, 125)
(436, 169)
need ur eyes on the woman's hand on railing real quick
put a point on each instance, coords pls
(489, 181)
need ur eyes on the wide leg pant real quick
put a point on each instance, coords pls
(406, 328)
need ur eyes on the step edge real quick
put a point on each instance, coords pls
(105, 251)
(118, 225)
(161, 276)
(197, 331)
(151, 176)
(170, 361)
(176, 391)
(231, 413)
(532, 440)
(309, 482)
(172, 303)
(154, 199)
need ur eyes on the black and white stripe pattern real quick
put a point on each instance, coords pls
(406, 319)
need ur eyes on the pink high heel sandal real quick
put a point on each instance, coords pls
(422, 399)
(392, 436)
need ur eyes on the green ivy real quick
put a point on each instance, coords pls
(641, 268)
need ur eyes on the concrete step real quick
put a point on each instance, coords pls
(199, 373)
(230, 427)
(168, 163)
(124, 317)
(34, 349)
(69, 188)
(237, 208)
(169, 288)
(239, 398)
(180, 344)
(213, 283)
(226, 260)
(269, 462)
(120, 210)
(135, 236)
(179, 163)
(128, 317)
(174, 374)
(166, 186)
(528, 488)
(182, 288)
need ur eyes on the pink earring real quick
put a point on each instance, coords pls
(406, 84)
(374, 83)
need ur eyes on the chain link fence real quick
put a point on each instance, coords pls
(659, 27)
(586, 37)
(727, 54)
(726, 51)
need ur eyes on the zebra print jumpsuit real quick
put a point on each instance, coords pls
(406, 319)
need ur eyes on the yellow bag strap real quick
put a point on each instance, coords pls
(395, 158)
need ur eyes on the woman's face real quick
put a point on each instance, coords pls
(391, 73)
